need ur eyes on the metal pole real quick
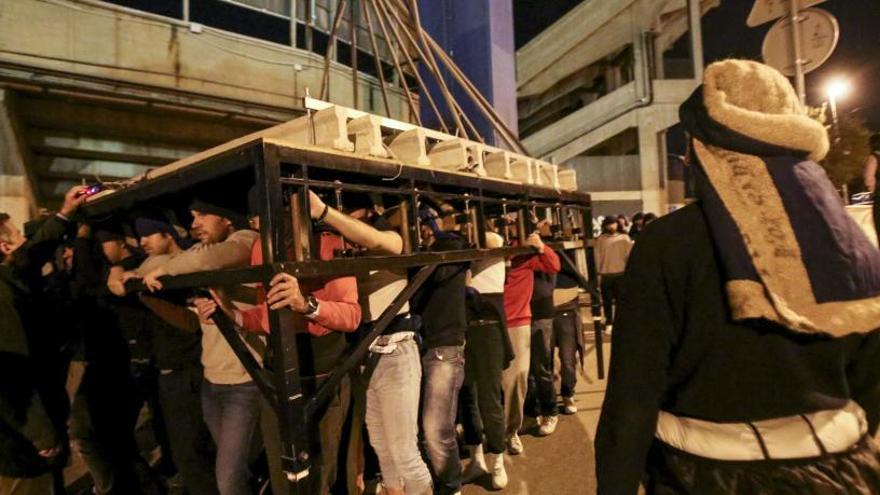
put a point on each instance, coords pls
(185, 10)
(469, 88)
(694, 21)
(354, 59)
(409, 99)
(377, 59)
(384, 17)
(832, 102)
(477, 97)
(456, 108)
(430, 62)
(284, 325)
(331, 41)
(796, 42)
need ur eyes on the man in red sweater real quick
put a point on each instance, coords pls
(517, 297)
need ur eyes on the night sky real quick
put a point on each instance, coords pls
(725, 34)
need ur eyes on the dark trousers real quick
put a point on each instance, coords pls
(541, 368)
(103, 417)
(146, 391)
(876, 210)
(191, 446)
(611, 285)
(481, 406)
(566, 326)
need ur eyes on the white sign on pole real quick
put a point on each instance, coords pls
(767, 10)
(819, 35)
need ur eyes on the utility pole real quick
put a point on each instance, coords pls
(800, 86)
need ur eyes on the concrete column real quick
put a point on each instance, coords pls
(16, 195)
(478, 35)
(653, 166)
(695, 20)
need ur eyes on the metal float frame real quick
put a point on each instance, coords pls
(287, 381)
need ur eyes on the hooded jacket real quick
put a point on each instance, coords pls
(694, 338)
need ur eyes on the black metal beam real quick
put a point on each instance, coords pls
(339, 266)
(387, 168)
(349, 266)
(236, 158)
(243, 353)
(408, 190)
(286, 328)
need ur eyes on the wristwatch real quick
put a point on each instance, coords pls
(312, 307)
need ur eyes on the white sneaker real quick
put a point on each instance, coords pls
(568, 405)
(514, 445)
(477, 467)
(547, 425)
(499, 474)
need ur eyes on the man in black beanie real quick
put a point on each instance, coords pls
(118, 376)
(176, 356)
(230, 398)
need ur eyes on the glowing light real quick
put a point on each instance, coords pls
(838, 88)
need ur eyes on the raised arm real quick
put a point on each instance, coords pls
(355, 230)
(233, 252)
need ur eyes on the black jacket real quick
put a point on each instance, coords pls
(441, 300)
(26, 423)
(676, 349)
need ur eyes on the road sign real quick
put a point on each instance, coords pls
(767, 10)
(819, 34)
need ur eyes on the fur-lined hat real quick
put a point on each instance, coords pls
(749, 107)
(789, 251)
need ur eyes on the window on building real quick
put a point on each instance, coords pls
(167, 8)
(270, 20)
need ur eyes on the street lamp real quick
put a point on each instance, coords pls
(836, 89)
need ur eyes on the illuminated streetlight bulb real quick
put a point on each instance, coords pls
(837, 88)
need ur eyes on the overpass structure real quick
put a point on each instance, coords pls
(598, 90)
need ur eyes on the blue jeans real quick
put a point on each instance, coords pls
(444, 374)
(541, 368)
(393, 419)
(566, 326)
(232, 413)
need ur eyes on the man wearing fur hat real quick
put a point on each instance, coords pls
(745, 356)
